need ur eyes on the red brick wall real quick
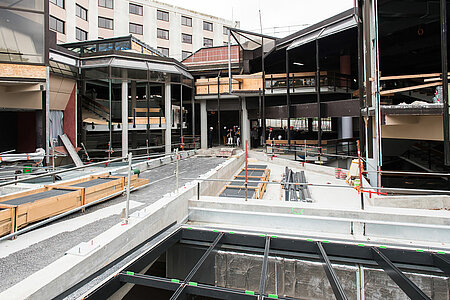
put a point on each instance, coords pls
(70, 117)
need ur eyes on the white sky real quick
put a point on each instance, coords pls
(274, 13)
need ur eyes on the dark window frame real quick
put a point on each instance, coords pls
(105, 3)
(160, 15)
(56, 23)
(206, 41)
(162, 50)
(137, 8)
(185, 54)
(112, 23)
(82, 31)
(189, 40)
(57, 3)
(158, 30)
(208, 26)
(136, 26)
(188, 24)
(80, 8)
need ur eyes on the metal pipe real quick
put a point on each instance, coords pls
(229, 62)
(110, 113)
(263, 92)
(446, 192)
(444, 64)
(59, 172)
(181, 114)
(288, 99)
(361, 76)
(127, 207)
(218, 108)
(193, 115)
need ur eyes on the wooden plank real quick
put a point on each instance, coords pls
(144, 110)
(410, 88)
(73, 154)
(410, 76)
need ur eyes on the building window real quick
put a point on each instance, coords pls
(185, 54)
(207, 42)
(164, 51)
(81, 12)
(56, 24)
(136, 28)
(105, 23)
(186, 38)
(60, 3)
(225, 30)
(162, 34)
(207, 26)
(106, 3)
(186, 21)
(162, 15)
(136, 9)
(80, 34)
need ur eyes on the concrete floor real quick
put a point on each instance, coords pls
(34, 250)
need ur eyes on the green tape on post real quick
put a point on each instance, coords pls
(383, 247)
(273, 296)
(309, 240)
(361, 245)
(274, 236)
(175, 281)
(441, 252)
(419, 250)
(193, 283)
(250, 292)
(130, 273)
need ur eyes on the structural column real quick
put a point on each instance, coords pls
(203, 124)
(168, 116)
(133, 114)
(124, 115)
(245, 130)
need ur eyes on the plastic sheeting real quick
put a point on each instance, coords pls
(305, 279)
(294, 278)
(38, 155)
(56, 126)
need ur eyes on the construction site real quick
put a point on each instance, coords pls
(315, 165)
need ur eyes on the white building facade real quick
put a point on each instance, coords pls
(174, 31)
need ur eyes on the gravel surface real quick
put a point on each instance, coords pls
(19, 265)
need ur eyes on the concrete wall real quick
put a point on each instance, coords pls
(434, 202)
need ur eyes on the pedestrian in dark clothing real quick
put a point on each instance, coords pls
(210, 137)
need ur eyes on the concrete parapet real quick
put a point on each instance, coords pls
(67, 271)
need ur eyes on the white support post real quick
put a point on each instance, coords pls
(168, 116)
(203, 124)
(124, 116)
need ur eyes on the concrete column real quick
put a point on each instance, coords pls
(245, 130)
(124, 117)
(203, 125)
(168, 116)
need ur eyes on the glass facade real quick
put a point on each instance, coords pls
(22, 32)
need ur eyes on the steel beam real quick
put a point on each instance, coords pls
(444, 66)
(332, 277)
(262, 281)
(192, 289)
(442, 263)
(410, 289)
(197, 266)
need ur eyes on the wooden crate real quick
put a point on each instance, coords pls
(33, 211)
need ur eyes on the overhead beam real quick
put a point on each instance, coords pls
(237, 30)
(197, 266)
(407, 286)
(332, 277)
